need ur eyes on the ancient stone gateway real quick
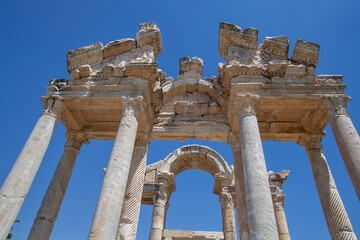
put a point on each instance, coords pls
(117, 92)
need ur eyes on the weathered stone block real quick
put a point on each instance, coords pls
(119, 47)
(231, 34)
(275, 46)
(306, 52)
(149, 34)
(191, 64)
(87, 55)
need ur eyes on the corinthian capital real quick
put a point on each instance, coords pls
(52, 105)
(311, 141)
(226, 200)
(75, 139)
(247, 104)
(335, 104)
(131, 105)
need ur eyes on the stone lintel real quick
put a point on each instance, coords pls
(189, 234)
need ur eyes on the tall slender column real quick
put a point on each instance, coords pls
(21, 176)
(261, 217)
(228, 214)
(346, 136)
(50, 206)
(335, 214)
(158, 217)
(108, 209)
(240, 198)
(132, 202)
(161, 199)
(276, 181)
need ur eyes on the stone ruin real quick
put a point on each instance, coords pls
(117, 92)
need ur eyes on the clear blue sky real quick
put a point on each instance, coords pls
(36, 35)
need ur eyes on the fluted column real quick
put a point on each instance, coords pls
(242, 215)
(158, 216)
(276, 181)
(346, 136)
(108, 209)
(261, 217)
(335, 214)
(228, 214)
(21, 176)
(132, 203)
(50, 206)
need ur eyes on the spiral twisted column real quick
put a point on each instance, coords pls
(338, 222)
(132, 202)
(21, 176)
(261, 216)
(346, 136)
(106, 219)
(50, 206)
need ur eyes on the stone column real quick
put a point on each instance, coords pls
(21, 176)
(346, 136)
(276, 181)
(161, 199)
(228, 214)
(261, 216)
(158, 217)
(239, 187)
(335, 214)
(108, 210)
(50, 206)
(132, 202)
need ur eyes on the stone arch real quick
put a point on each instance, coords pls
(196, 157)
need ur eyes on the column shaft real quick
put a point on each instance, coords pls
(228, 216)
(108, 210)
(50, 206)
(348, 142)
(21, 176)
(281, 221)
(346, 137)
(335, 214)
(261, 217)
(158, 217)
(242, 215)
(132, 202)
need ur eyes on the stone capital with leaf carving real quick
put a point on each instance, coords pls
(335, 105)
(226, 199)
(75, 139)
(53, 105)
(247, 104)
(132, 105)
(311, 141)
